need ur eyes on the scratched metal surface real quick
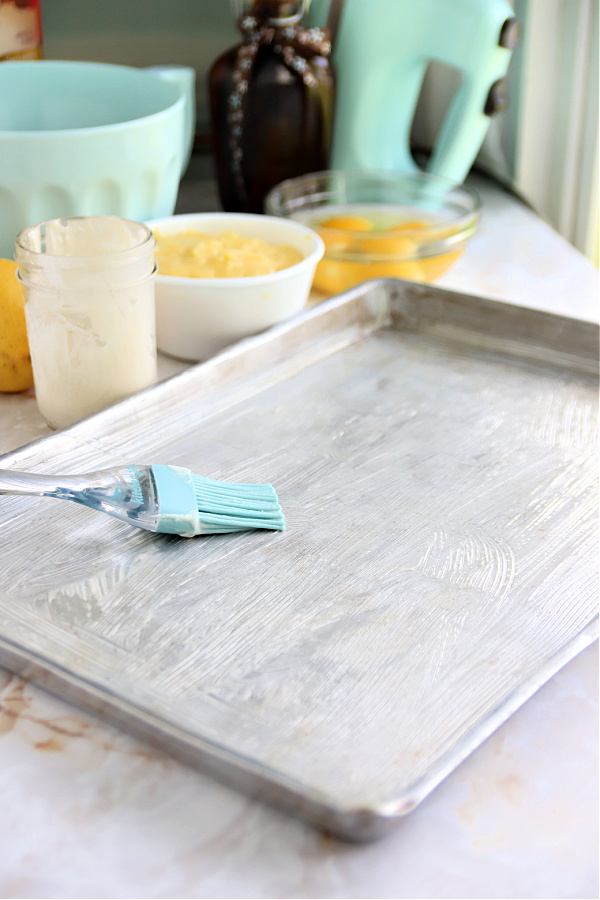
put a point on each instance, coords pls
(435, 456)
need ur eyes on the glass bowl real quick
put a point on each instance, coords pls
(413, 226)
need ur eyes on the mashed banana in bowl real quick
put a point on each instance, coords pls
(225, 254)
(207, 291)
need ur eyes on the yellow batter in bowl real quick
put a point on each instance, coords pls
(226, 254)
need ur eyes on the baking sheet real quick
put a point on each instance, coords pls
(435, 455)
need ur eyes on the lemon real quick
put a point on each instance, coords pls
(15, 362)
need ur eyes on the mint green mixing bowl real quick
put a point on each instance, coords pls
(80, 138)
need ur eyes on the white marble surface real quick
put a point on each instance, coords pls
(86, 811)
(518, 258)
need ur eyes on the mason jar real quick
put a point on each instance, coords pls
(88, 291)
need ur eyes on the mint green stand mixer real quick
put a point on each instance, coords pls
(381, 51)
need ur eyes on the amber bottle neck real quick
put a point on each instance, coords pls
(278, 13)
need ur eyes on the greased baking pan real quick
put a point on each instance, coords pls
(435, 455)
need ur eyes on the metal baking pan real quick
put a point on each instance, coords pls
(435, 455)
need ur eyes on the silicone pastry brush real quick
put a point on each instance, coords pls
(166, 499)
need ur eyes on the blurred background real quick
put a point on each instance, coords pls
(544, 146)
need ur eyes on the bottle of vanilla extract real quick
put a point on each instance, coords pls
(20, 30)
(271, 100)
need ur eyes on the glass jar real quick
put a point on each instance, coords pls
(88, 290)
(20, 30)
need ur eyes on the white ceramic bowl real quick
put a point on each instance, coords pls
(198, 317)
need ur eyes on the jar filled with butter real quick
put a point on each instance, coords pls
(88, 290)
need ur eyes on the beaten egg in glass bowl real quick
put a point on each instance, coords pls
(413, 226)
(224, 276)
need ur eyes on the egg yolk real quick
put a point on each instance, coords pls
(391, 251)
(348, 223)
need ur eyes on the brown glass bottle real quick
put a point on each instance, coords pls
(282, 126)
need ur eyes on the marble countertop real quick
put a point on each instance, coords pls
(87, 811)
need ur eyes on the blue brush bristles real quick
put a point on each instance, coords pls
(226, 506)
